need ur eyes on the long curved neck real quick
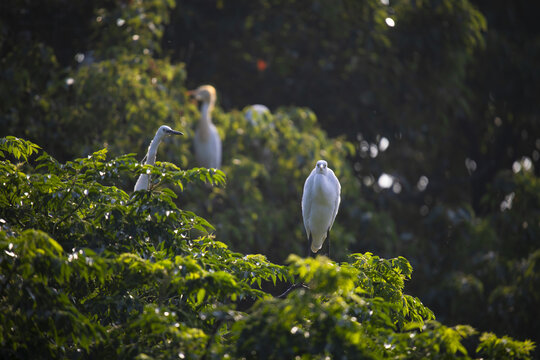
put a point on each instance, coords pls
(152, 150)
(206, 112)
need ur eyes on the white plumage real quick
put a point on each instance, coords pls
(320, 204)
(207, 143)
(150, 159)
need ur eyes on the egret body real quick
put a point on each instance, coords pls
(207, 142)
(320, 204)
(255, 111)
(150, 158)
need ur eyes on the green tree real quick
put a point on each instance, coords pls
(443, 104)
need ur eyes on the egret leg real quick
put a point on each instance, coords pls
(309, 252)
(328, 243)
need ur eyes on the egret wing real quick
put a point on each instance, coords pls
(338, 198)
(217, 145)
(307, 198)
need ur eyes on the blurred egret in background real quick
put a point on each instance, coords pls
(254, 112)
(320, 204)
(150, 158)
(206, 142)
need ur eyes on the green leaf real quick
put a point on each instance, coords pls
(200, 295)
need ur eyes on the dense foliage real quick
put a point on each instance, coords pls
(434, 130)
(89, 271)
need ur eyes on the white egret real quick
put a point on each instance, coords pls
(320, 204)
(206, 142)
(150, 157)
(254, 112)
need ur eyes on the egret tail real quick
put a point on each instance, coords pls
(309, 252)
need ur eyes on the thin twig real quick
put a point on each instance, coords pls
(57, 224)
(293, 287)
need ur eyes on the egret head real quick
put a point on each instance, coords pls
(165, 130)
(321, 166)
(204, 93)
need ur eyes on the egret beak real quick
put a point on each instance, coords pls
(174, 132)
(192, 96)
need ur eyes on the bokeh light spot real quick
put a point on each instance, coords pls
(385, 181)
(422, 183)
(383, 144)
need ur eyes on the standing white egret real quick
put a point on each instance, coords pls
(150, 157)
(206, 142)
(320, 204)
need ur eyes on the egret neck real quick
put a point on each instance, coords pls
(152, 150)
(206, 119)
(324, 190)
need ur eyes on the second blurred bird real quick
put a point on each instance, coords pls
(207, 143)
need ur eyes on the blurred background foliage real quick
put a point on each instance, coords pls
(427, 110)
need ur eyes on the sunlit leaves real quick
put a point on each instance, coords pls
(322, 275)
(332, 316)
(75, 198)
(19, 148)
(504, 348)
(169, 173)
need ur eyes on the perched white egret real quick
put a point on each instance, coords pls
(320, 204)
(150, 157)
(206, 142)
(255, 111)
